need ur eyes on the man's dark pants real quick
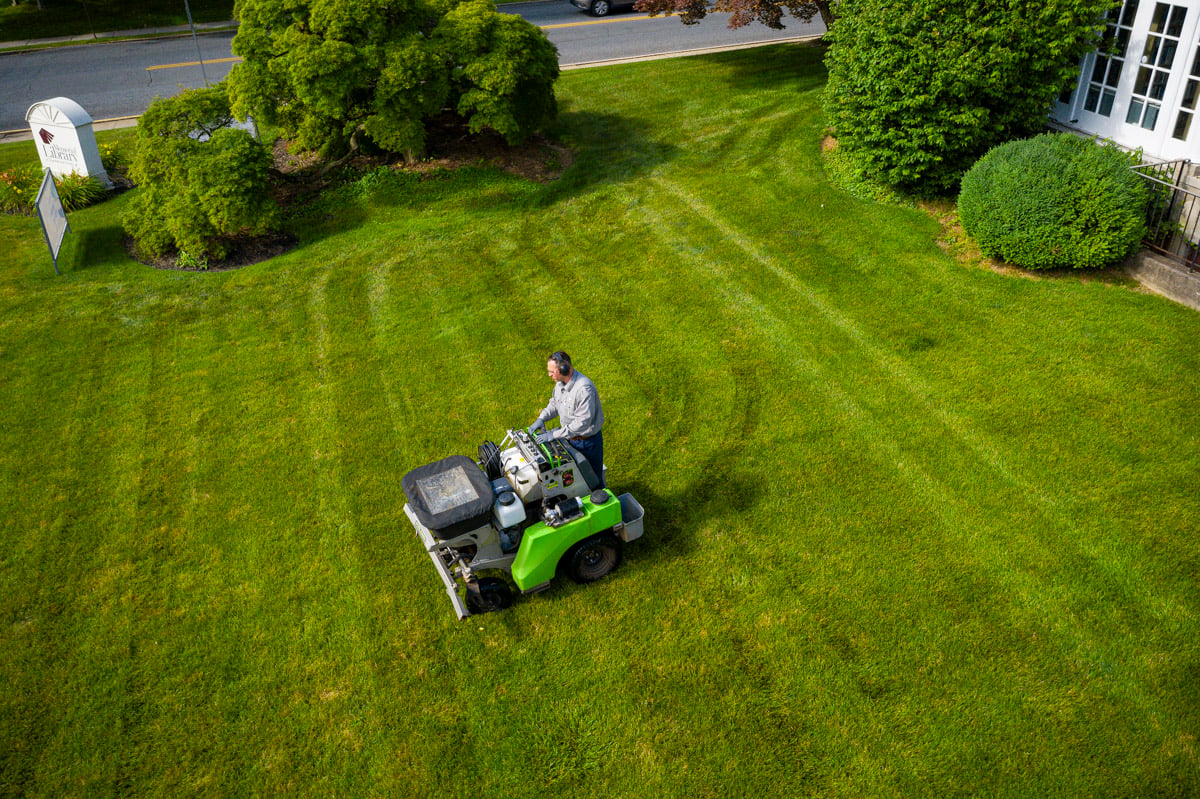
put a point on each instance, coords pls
(592, 448)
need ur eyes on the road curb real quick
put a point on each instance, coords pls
(684, 53)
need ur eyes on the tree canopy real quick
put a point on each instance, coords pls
(743, 12)
(329, 72)
(918, 91)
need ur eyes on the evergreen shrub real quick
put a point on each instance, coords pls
(200, 181)
(1052, 201)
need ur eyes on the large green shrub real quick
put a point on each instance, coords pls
(328, 73)
(502, 70)
(919, 90)
(199, 181)
(1054, 200)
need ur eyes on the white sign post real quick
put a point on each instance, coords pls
(62, 132)
(53, 216)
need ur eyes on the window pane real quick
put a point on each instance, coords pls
(1151, 118)
(1159, 87)
(1098, 70)
(1189, 94)
(1182, 123)
(1143, 81)
(1166, 56)
(1129, 12)
(1114, 72)
(1106, 102)
(1135, 111)
(1175, 26)
(1160, 18)
(1093, 97)
(1122, 42)
(1150, 52)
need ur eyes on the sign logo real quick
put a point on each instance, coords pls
(46, 136)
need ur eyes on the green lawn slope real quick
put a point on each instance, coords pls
(912, 528)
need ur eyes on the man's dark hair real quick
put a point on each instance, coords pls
(563, 361)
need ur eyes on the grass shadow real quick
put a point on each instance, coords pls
(91, 247)
(608, 148)
(796, 67)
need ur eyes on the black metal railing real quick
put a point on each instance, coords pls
(1172, 212)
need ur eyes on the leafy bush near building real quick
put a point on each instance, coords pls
(199, 180)
(1052, 201)
(918, 91)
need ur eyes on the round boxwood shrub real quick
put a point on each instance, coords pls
(1054, 200)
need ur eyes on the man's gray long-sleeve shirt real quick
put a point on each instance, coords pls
(576, 403)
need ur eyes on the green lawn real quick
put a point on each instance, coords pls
(913, 528)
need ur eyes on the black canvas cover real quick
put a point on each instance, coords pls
(450, 497)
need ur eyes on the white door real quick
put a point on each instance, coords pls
(1142, 88)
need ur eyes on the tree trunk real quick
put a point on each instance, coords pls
(826, 13)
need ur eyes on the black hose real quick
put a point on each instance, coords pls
(489, 459)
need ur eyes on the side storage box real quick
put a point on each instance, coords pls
(632, 515)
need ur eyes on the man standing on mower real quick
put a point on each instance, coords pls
(577, 405)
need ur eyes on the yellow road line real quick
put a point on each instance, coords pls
(543, 27)
(196, 63)
(595, 22)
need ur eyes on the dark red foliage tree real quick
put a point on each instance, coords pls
(742, 12)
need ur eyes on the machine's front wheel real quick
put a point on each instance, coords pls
(494, 594)
(600, 8)
(592, 559)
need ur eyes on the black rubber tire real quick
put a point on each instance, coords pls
(601, 8)
(592, 559)
(494, 594)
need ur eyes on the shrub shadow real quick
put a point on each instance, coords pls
(798, 66)
(608, 148)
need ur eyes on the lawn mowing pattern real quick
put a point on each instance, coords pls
(912, 528)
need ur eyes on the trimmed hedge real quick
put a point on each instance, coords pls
(1052, 201)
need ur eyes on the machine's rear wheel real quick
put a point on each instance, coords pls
(600, 8)
(590, 560)
(494, 594)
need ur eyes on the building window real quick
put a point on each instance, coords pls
(1187, 106)
(1110, 60)
(1162, 42)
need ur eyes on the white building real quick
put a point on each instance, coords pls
(1143, 91)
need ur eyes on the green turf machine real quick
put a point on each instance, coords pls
(525, 512)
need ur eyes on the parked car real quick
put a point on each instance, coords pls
(601, 8)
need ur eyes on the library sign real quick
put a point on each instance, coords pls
(62, 132)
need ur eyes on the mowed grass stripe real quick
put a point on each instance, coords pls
(1020, 576)
(62, 524)
(894, 368)
(1119, 559)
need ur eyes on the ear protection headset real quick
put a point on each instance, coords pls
(562, 361)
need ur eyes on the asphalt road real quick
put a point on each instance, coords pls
(119, 79)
